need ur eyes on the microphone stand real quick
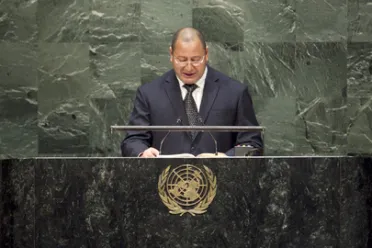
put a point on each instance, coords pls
(163, 139)
(214, 140)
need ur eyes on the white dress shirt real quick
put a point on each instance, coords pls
(198, 92)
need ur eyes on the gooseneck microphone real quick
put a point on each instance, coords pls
(179, 121)
(210, 134)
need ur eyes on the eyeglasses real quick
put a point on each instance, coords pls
(194, 61)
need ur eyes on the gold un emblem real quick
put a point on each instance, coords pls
(187, 189)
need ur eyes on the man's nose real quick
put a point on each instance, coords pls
(188, 65)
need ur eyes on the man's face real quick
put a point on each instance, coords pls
(189, 60)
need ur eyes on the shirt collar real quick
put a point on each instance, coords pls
(200, 83)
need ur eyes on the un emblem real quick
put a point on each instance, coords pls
(187, 189)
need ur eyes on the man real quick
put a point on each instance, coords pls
(193, 93)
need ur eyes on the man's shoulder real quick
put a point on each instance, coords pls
(229, 82)
(157, 82)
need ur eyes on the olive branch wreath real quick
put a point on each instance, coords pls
(200, 208)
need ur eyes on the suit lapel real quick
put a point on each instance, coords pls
(174, 94)
(210, 91)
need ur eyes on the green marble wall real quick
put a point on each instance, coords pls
(69, 69)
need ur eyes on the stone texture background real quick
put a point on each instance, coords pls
(69, 69)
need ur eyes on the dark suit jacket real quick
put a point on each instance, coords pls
(225, 102)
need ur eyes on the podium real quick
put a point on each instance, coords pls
(115, 202)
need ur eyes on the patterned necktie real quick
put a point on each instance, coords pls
(191, 109)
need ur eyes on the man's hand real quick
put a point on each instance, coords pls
(150, 153)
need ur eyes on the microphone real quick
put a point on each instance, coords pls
(210, 134)
(179, 121)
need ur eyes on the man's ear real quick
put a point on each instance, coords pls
(206, 54)
(170, 53)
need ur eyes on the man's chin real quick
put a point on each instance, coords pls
(189, 80)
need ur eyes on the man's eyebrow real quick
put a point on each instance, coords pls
(184, 57)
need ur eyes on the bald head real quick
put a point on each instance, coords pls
(188, 35)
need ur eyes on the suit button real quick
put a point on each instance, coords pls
(192, 148)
